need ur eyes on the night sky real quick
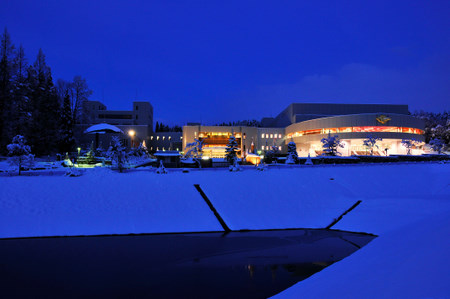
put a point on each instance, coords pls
(215, 61)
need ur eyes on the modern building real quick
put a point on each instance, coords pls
(307, 124)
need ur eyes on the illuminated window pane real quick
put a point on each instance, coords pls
(279, 148)
(262, 135)
(151, 138)
(279, 135)
(271, 135)
(164, 137)
(157, 137)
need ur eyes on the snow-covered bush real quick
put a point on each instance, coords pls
(73, 172)
(231, 151)
(370, 142)
(309, 161)
(261, 167)
(20, 153)
(117, 154)
(161, 169)
(292, 155)
(235, 166)
(437, 145)
(330, 145)
(272, 154)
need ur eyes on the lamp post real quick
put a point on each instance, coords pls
(132, 133)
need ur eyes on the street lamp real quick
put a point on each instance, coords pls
(132, 133)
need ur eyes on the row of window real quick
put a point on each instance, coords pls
(163, 149)
(264, 135)
(269, 147)
(164, 137)
(367, 129)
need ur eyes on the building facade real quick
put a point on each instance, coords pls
(136, 124)
(307, 124)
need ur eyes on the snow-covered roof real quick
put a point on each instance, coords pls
(167, 154)
(102, 128)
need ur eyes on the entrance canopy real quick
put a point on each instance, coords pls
(102, 128)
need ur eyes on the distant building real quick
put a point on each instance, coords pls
(137, 124)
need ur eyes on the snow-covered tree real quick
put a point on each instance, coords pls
(231, 150)
(194, 150)
(161, 169)
(292, 155)
(409, 143)
(436, 145)
(370, 142)
(331, 144)
(117, 153)
(20, 153)
(309, 161)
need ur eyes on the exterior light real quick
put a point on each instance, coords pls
(131, 133)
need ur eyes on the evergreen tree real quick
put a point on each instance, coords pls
(292, 155)
(45, 108)
(20, 110)
(6, 87)
(231, 150)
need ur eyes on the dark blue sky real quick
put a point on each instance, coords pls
(230, 60)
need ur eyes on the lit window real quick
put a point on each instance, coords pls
(279, 135)
(181, 137)
(279, 148)
(267, 135)
(157, 137)
(164, 137)
(262, 135)
(177, 149)
(151, 148)
(157, 148)
(151, 137)
(163, 149)
(170, 137)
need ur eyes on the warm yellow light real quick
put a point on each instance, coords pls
(131, 133)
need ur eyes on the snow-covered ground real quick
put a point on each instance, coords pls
(407, 205)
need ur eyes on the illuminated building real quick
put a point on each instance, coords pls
(306, 124)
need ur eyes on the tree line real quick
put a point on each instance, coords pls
(33, 106)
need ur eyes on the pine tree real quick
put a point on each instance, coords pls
(45, 108)
(292, 155)
(6, 87)
(21, 110)
(231, 150)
